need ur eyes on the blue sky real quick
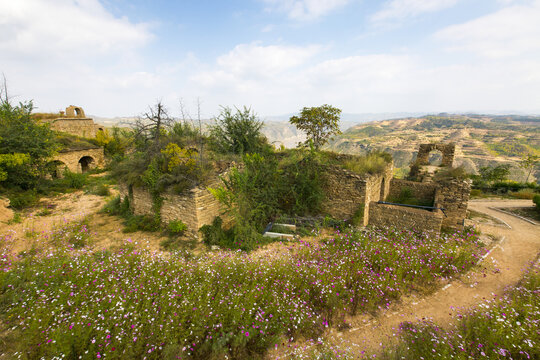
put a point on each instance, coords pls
(115, 57)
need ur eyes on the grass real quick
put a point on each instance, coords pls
(373, 163)
(127, 303)
(499, 329)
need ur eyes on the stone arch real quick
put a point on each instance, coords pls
(447, 151)
(56, 168)
(75, 111)
(86, 163)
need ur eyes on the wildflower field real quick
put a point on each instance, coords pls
(506, 328)
(73, 302)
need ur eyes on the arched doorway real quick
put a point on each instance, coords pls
(56, 169)
(86, 163)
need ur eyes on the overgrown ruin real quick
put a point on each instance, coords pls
(74, 122)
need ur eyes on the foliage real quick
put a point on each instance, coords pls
(133, 304)
(176, 227)
(25, 145)
(116, 144)
(529, 162)
(319, 123)
(237, 132)
(406, 196)
(503, 328)
(132, 223)
(372, 163)
(490, 174)
(74, 180)
(446, 174)
(536, 201)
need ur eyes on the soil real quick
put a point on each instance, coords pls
(53, 212)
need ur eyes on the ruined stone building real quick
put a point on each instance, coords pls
(348, 195)
(83, 158)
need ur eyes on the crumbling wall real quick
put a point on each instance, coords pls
(400, 217)
(423, 192)
(453, 196)
(77, 126)
(194, 207)
(345, 193)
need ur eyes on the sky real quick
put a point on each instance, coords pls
(117, 57)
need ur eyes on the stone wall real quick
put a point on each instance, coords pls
(347, 192)
(72, 159)
(195, 207)
(404, 218)
(424, 192)
(453, 196)
(83, 127)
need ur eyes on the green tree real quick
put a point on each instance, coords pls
(26, 145)
(529, 162)
(237, 132)
(319, 123)
(493, 174)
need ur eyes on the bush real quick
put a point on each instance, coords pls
(141, 223)
(176, 227)
(74, 180)
(23, 199)
(372, 163)
(536, 201)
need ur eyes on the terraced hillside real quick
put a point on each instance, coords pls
(482, 140)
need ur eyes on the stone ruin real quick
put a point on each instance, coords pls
(73, 121)
(449, 197)
(348, 195)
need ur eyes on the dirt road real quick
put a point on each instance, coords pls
(502, 267)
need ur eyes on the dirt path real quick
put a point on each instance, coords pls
(502, 267)
(52, 212)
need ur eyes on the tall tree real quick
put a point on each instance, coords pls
(319, 123)
(529, 162)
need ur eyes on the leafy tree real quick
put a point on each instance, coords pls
(319, 123)
(25, 144)
(529, 162)
(492, 174)
(237, 132)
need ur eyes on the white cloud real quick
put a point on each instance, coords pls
(53, 27)
(511, 31)
(402, 9)
(305, 9)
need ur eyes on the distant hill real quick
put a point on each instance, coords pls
(482, 140)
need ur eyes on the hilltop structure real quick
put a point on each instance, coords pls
(85, 156)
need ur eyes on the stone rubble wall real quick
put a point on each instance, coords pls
(424, 192)
(400, 217)
(195, 207)
(83, 127)
(453, 196)
(347, 192)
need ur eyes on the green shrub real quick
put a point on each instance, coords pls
(176, 227)
(523, 194)
(141, 223)
(536, 201)
(101, 190)
(373, 163)
(74, 180)
(23, 199)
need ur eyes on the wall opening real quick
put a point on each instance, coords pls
(56, 169)
(86, 163)
(435, 157)
(381, 197)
